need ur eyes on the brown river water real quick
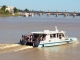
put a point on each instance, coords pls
(11, 29)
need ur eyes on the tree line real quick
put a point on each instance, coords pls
(3, 10)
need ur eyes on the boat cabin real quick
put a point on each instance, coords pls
(47, 35)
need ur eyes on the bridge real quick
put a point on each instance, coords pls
(32, 13)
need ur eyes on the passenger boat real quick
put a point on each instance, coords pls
(47, 38)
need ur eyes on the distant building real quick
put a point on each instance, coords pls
(9, 8)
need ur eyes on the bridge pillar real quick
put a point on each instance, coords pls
(56, 14)
(40, 14)
(31, 14)
(74, 15)
(25, 14)
(48, 14)
(65, 14)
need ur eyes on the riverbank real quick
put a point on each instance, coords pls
(6, 15)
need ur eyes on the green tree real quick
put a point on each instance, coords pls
(15, 10)
(26, 10)
(4, 8)
(7, 12)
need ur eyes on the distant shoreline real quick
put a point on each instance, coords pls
(6, 15)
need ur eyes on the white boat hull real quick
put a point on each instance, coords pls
(69, 41)
(50, 44)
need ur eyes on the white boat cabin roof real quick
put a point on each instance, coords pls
(48, 32)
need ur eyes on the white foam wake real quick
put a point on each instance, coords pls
(5, 48)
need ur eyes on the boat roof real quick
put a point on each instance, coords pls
(48, 32)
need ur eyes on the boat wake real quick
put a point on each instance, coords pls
(5, 48)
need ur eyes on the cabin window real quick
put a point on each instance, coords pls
(52, 35)
(61, 35)
(44, 36)
(58, 35)
(41, 37)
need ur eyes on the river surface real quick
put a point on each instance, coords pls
(11, 29)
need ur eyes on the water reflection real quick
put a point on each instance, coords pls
(57, 52)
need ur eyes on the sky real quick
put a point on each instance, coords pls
(44, 5)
